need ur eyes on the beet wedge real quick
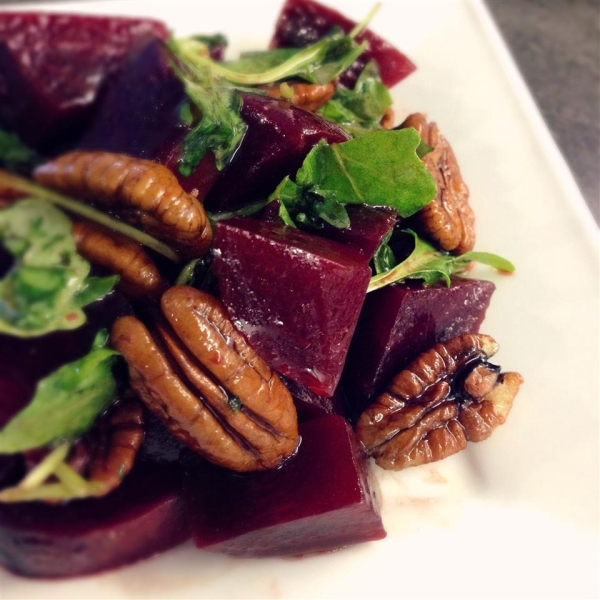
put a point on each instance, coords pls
(319, 501)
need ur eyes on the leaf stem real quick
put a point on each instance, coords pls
(14, 182)
(45, 468)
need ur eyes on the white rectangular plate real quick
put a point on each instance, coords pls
(515, 516)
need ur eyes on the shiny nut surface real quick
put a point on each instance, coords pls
(448, 219)
(309, 96)
(447, 397)
(139, 276)
(197, 373)
(142, 192)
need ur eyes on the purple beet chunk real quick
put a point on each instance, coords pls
(399, 322)
(295, 296)
(320, 500)
(312, 406)
(278, 138)
(144, 516)
(303, 22)
(52, 67)
(368, 227)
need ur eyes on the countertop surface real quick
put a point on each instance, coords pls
(556, 44)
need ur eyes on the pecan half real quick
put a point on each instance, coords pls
(448, 396)
(142, 192)
(309, 96)
(448, 219)
(196, 372)
(139, 276)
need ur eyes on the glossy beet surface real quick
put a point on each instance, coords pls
(368, 226)
(399, 322)
(278, 138)
(52, 67)
(303, 22)
(296, 297)
(312, 406)
(320, 500)
(144, 516)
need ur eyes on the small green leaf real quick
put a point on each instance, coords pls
(48, 284)
(432, 266)
(66, 402)
(15, 156)
(360, 109)
(380, 168)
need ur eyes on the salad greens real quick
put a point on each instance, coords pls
(213, 87)
(428, 264)
(49, 283)
(15, 155)
(380, 168)
(361, 109)
(66, 402)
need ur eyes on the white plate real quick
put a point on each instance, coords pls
(515, 516)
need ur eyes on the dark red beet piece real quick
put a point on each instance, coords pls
(368, 226)
(52, 67)
(312, 406)
(320, 500)
(278, 138)
(144, 516)
(304, 22)
(399, 322)
(295, 296)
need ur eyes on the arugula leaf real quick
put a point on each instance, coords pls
(360, 109)
(379, 168)
(220, 127)
(432, 266)
(66, 402)
(320, 62)
(15, 155)
(48, 285)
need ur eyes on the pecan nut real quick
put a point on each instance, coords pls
(448, 219)
(197, 373)
(142, 192)
(139, 276)
(448, 396)
(309, 96)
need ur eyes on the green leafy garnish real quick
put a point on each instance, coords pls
(361, 109)
(66, 402)
(38, 484)
(220, 127)
(15, 155)
(48, 284)
(320, 62)
(432, 266)
(380, 168)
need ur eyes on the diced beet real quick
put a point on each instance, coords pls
(52, 67)
(304, 22)
(295, 296)
(312, 406)
(278, 138)
(320, 500)
(142, 517)
(368, 226)
(399, 322)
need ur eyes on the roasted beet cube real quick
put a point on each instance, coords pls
(279, 137)
(295, 296)
(304, 22)
(145, 515)
(319, 500)
(369, 225)
(399, 322)
(52, 67)
(312, 406)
